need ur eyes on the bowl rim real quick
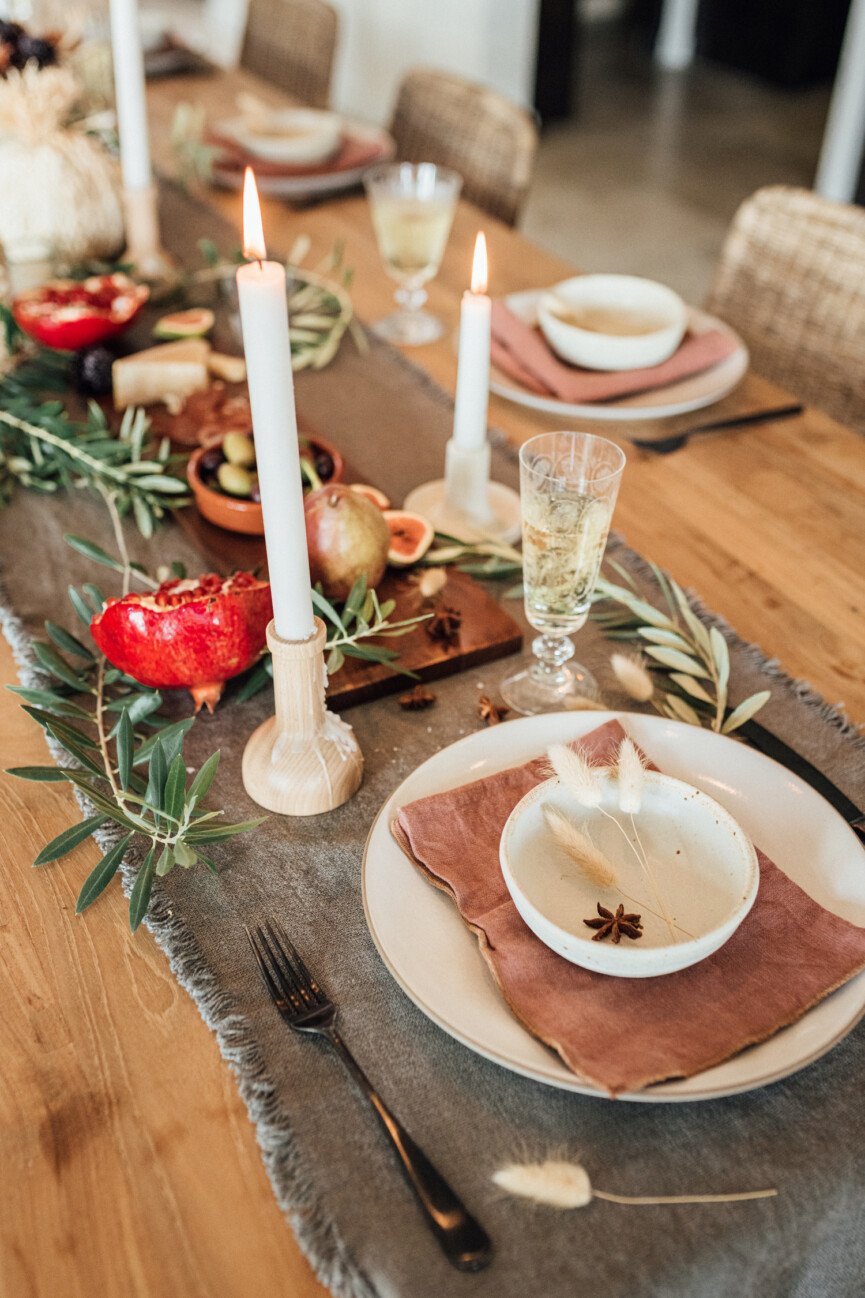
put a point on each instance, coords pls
(546, 315)
(727, 927)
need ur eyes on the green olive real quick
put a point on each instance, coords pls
(238, 449)
(235, 480)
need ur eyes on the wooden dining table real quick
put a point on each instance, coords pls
(129, 1165)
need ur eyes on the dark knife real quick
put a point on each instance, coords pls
(770, 745)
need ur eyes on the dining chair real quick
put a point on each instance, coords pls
(491, 142)
(791, 280)
(292, 44)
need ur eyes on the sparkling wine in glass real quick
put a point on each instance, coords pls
(412, 206)
(568, 488)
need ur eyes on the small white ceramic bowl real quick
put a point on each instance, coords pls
(612, 322)
(703, 863)
(294, 136)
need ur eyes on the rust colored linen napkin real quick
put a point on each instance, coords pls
(522, 352)
(621, 1034)
(353, 152)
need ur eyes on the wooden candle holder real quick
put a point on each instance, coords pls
(304, 760)
(143, 244)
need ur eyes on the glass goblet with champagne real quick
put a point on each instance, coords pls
(568, 488)
(412, 206)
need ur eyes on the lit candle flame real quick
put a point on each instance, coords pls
(253, 231)
(479, 264)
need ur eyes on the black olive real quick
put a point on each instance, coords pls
(10, 33)
(323, 465)
(210, 461)
(91, 371)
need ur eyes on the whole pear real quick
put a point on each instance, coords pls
(347, 535)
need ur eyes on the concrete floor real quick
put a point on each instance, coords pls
(645, 177)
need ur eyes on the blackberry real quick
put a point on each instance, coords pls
(91, 371)
(33, 49)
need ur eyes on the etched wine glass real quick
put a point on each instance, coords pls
(412, 207)
(568, 488)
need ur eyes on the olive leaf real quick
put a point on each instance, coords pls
(745, 711)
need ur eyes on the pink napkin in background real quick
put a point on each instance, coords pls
(623, 1034)
(523, 353)
(354, 151)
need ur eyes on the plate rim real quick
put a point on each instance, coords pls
(621, 411)
(664, 1092)
(321, 182)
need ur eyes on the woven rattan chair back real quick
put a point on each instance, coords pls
(791, 280)
(292, 43)
(487, 139)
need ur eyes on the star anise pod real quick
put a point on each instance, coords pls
(615, 925)
(417, 699)
(491, 712)
(444, 626)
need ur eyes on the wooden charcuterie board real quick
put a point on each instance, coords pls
(487, 631)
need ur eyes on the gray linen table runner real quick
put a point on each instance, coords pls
(331, 1171)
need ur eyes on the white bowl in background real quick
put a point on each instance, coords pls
(704, 865)
(612, 322)
(293, 136)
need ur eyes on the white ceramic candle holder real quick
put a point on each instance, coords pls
(143, 245)
(304, 760)
(465, 503)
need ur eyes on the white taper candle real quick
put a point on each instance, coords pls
(263, 301)
(473, 374)
(129, 93)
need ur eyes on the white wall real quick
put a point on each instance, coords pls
(490, 41)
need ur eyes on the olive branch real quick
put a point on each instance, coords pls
(44, 449)
(123, 729)
(694, 659)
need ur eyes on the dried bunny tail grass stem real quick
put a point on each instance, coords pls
(633, 676)
(648, 1199)
(630, 771)
(577, 775)
(567, 1185)
(580, 849)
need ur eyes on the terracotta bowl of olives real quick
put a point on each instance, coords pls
(224, 480)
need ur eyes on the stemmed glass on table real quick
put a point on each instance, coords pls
(568, 488)
(412, 207)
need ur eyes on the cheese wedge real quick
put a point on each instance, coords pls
(232, 369)
(169, 373)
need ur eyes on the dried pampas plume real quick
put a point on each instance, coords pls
(576, 774)
(579, 848)
(567, 1185)
(630, 770)
(633, 676)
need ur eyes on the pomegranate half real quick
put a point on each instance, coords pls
(188, 634)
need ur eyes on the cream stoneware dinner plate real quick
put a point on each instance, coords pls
(694, 393)
(702, 862)
(435, 959)
(298, 188)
